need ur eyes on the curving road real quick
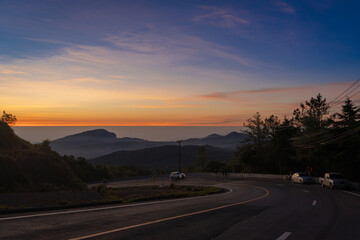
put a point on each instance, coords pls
(253, 209)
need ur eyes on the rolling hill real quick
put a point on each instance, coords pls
(99, 142)
(162, 157)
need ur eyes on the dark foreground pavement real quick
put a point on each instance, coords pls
(254, 209)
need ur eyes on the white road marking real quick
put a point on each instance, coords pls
(314, 203)
(106, 208)
(351, 193)
(284, 236)
(306, 191)
(281, 185)
(176, 217)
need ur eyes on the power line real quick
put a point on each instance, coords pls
(350, 97)
(345, 134)
(330, 103)
(331, 135)
(347, 95)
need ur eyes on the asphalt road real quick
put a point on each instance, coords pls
(253, 209)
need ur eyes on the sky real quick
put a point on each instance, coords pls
(172, 63)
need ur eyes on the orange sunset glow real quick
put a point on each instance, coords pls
(157, 74)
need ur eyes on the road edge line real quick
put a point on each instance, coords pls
(112, 207)
(267, 192)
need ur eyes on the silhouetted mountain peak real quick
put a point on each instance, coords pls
(213, 136)
(130, 139)
(97, 133)
(235, 134)
(100, 142)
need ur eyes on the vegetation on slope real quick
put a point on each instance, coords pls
(27, 167)
(89, 173)
(312, 140)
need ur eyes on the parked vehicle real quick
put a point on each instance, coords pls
(177, 175)
(334, 180)
(288, 176)
(302, 177)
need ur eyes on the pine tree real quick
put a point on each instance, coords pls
(349, 116)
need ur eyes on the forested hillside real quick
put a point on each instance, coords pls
(311, 140)
(27, 167)
(163, 158)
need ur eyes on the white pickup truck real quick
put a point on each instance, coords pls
(334, 180)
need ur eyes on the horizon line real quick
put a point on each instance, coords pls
(64, 125)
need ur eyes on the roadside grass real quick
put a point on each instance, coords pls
(102, 195)
(145, 193)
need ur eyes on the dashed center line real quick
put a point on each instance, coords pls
(314, 203)
(284, 236)
(306, 191)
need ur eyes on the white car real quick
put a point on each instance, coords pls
(302, 177)
(177, 175)
(334, 180)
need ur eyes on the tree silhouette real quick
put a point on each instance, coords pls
(255, 129)
(311, 115)
(202, 158)
(8, 118)
(310, 139)
(261, 131)
(349, 116)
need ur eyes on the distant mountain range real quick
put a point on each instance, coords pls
(99, 142)
(163, 157)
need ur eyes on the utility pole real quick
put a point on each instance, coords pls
(179, 155)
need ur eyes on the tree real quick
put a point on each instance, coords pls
(310, 139)
(8, 118)
(255, 131)
(261, 131)
(349, 116)
(282, 148)
(311, 115)
(215, 166)
(202, 159)
(271, 125)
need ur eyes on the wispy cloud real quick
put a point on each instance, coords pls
(279, 100)
(244, 94)
(219, 17)
(283, 6)
(87, 80)
(164, 106)
(46, 40)
(92, 80)
(120, 77)
(174, 47)
(11, 72)
(222, 120)
(142, 44)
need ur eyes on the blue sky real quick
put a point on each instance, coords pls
(172, 62)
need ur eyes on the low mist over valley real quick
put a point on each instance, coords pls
(95, 143)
